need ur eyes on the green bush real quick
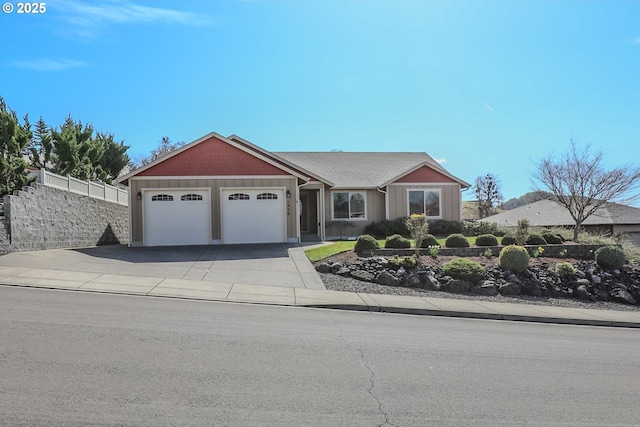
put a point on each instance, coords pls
(552, 238)
(405, 261)
(536, 239)
(565, 269)
(514, 258)
(477, 228)
(430, 241)
(366, 243)
(508, 239)
(610, 257)
(396, 241)
(486, 240)
(456, 241)
(443, 227)
(382, 229)
(464, 269)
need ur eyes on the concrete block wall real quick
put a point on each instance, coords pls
(39, 217)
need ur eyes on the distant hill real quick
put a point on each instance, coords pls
(525, 199)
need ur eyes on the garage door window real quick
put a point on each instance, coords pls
(162, 198)
(267, 196)
(191, 197)
(238, 196)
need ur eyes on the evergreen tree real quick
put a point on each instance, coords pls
(41, 146)
(14, 139)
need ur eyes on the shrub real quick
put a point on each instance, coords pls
(552, 238)
(382, 229)
(443, 227)
(396, 241)
(477, 228)
(366, 243)
(464, 269)
(456, 241)
(514, 258)
(522, 232)
(405, 261)
(565, 269)
(508, 239)
(610, 257)
(419, 229)
(536, 239)
(430, 240)
(486, 240)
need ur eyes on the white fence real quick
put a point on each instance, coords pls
(97, 190)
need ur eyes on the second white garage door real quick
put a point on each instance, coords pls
(254, 215)
(177, 217)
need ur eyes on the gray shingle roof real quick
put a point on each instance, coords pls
(362, 169)
(549, 213)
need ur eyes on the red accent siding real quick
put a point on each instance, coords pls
(212, 157)
(425, 174)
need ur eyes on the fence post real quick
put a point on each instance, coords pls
(42, 176)
(68, 182)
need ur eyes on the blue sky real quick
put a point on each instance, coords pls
(482, 86)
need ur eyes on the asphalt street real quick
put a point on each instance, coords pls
(71, 358)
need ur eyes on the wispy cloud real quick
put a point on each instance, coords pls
(441, 160)
(636, 41)
(43, 64)
(88, 19)
(488, 106)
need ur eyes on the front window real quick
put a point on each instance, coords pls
(425, 202)
(349, 205)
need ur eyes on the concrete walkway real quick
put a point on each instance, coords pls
(156, 276)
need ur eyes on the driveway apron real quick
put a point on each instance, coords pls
(264, 264)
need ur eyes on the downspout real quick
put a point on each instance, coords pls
(386, 202)
(462, 190)
(298, 207)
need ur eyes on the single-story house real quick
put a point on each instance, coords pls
(611, 218)
(219, 190)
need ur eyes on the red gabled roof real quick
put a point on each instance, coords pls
(425, 174)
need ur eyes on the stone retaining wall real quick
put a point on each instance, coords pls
(558, 251)
(39, 217)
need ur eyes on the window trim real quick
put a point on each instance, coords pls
(333, 217)
(425, 190)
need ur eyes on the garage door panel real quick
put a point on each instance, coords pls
(177, 217)
(253, 216)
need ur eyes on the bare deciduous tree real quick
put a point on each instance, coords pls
(579, 182)
(488, 193)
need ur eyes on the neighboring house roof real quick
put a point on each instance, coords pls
(545, 213)
(336, 169)
(367, 169)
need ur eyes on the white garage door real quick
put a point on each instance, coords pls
(253, 216)
(174, 217)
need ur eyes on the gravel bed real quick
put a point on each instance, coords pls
(334, 282)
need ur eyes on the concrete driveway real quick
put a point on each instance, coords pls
(265, 264)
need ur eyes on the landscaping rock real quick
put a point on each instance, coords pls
(363, 275)
(324, 268)
(457, 286)
(583, 293)
(386, 278)
(485, 287)
(510, 288)
(621, 294)
(429, 282)
(413, 281)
